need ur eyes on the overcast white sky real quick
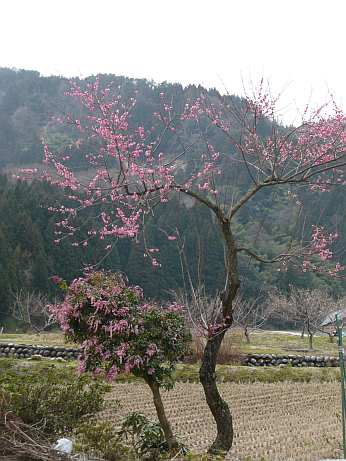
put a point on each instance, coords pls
(298, 45)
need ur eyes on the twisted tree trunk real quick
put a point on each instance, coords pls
(218, 407)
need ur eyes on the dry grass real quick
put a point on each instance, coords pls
(283, 421)
(271, 342)
(44, 339)
(20, 441)
(230, 351)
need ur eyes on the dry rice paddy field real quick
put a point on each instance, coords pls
(281, 421)
(275, 420)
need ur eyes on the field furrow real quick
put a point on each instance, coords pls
(282, 421)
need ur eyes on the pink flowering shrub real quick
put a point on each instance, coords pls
(118, 331)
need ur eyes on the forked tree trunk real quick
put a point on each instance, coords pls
(218, 407)
(160, 410)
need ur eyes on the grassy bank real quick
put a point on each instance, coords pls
(269, 342)
(44, 339)
(189, 372)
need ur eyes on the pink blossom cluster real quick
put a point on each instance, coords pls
(261, 104)
(320, 247)
(117, 331)
(321, 242)
(130, 170)
(216, 328)
(300, 154)
(131, 174)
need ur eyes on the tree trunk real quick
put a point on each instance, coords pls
(303, 331)
(310, 334)
(160, 411)
(247, 335)
(218, 407)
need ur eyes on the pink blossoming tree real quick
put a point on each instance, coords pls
(120, 333)
(131, 173)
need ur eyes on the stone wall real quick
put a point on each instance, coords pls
(21, 351)
(272, 360)
(24, 351)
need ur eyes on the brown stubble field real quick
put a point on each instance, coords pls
(281, 421)
(273, 420)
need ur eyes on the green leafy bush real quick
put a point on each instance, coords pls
(102, 439)
(145, 436)
(55, 399)
(137, 439)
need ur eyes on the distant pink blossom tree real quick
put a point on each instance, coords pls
(131, 174)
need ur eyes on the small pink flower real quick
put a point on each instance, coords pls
(151, 350)
(112, 373)
(81, 367)
(56, 279)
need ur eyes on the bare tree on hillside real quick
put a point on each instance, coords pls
(32, 309)
(201, 309)
(250, 314)
(308, 308)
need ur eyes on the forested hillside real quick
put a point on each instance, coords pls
(28, 255)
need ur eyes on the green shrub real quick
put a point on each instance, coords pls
(55, 399)
(137, 439)
(101, 439)
(145, 436)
